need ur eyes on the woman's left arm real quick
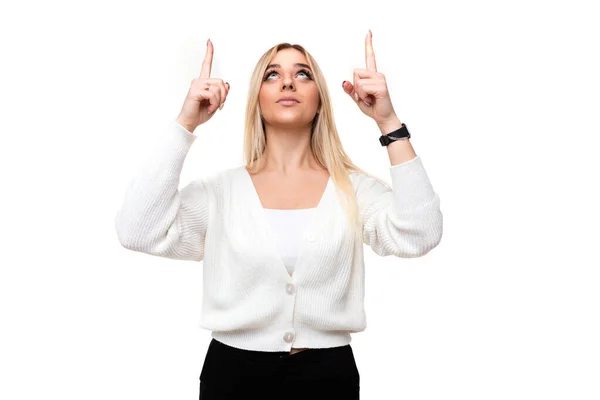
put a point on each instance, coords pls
(404, 220)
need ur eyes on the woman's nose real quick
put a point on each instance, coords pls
(287, 83)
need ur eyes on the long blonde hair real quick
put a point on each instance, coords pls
(325, 142)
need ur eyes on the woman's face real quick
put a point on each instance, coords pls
(288, 79)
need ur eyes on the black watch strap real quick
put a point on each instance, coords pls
(395, 135)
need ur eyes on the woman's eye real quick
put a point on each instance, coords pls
(273, 72)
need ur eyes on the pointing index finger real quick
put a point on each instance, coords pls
(369, 53)
(207, 63)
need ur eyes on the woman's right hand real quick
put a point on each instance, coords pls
(200, 104)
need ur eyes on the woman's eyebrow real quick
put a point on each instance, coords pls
(297, 65)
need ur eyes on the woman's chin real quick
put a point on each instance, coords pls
(286, 118)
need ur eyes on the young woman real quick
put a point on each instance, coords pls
(281, 237)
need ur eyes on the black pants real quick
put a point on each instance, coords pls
(230, 373)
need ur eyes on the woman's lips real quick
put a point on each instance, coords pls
(287, 102)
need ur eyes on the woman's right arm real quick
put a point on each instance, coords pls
(158, 219)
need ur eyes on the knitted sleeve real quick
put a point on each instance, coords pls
(156, 217)
(403, 220)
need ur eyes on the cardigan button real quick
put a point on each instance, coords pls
(289, 337)
(290, 288)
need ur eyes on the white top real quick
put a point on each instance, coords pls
(249, 300)
(288, 226)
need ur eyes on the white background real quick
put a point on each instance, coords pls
(502, 102)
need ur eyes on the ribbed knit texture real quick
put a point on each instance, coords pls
(249, 300)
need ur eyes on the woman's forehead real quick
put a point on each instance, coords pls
(289, 56)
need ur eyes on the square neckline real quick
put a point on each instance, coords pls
(257, 208)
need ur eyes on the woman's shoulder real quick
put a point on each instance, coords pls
(225, 178)
(364, 181)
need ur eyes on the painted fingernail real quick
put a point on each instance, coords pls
(221, 106)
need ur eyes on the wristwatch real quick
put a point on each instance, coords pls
(398, 134)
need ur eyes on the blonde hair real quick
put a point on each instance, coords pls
(325, 142)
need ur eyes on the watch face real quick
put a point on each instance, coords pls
(395, 135)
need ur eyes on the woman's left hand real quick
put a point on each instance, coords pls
(369, 90)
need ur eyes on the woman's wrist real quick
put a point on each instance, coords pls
(186, 125)
(390, 125)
